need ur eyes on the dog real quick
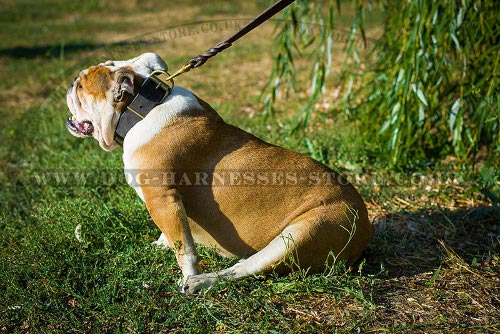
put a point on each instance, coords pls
(207, 182)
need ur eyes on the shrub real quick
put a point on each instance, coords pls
(429, 90)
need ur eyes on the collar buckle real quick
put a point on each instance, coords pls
(154, 91)
(163, 83)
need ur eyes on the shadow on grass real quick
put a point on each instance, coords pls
(407, 243)
(55, 50)
(440, 270)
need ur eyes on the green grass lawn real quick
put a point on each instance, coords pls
(75, 253)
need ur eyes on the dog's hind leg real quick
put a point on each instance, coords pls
(324, 234)
(277, 251)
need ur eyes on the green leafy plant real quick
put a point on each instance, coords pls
(311, 38)
(430, 88)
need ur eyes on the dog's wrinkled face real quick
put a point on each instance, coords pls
(98, 96)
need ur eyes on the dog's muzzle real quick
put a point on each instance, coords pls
(80, 129)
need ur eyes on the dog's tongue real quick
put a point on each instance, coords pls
(86, 128)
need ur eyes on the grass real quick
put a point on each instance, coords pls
(432, 266)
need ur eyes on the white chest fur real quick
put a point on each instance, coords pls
(180, 100)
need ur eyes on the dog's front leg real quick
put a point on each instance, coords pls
(167, 210)
(162, 242)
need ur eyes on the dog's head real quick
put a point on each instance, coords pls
(98, 96)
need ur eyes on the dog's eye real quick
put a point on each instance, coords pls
(79, 86)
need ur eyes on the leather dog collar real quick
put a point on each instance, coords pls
(153, 91)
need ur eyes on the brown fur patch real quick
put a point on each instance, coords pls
(96, 82)
(242, 220)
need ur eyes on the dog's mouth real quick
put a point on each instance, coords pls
(80, 129)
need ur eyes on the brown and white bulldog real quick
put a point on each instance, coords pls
(207, 182)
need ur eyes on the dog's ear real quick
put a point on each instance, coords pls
(125, 84)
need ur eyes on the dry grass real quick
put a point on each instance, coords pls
(441, 267)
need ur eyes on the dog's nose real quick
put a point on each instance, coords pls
(71, 85)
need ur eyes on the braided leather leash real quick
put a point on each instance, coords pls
(203, 57)
(155, 89)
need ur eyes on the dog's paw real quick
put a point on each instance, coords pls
(161, 243)
(198, 283)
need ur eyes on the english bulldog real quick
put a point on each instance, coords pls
(207, 182)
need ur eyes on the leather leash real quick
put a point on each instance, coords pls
(203, 57)
(155, 89)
